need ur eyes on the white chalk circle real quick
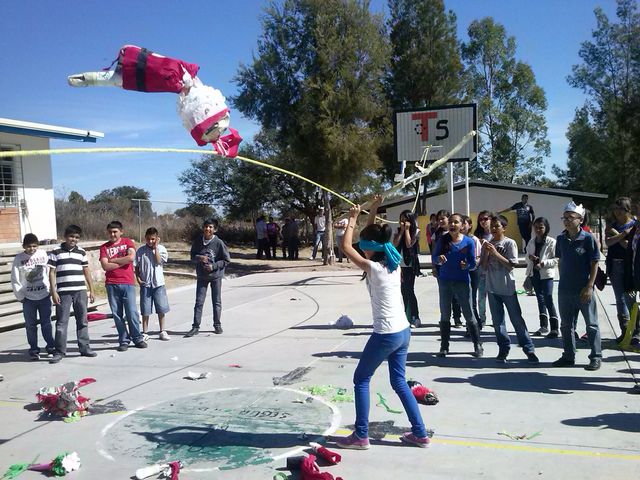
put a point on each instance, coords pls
(219, 429)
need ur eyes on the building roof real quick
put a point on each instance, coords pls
(32, 129)
(502, 186)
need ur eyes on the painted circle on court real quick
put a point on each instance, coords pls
(220, 429)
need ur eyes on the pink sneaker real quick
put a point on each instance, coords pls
(410, 438)
(353, 442)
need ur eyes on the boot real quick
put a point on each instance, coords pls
(623, 320)
(554, 333)
(544, 324)
(445, 335)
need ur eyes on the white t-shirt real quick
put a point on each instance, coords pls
(343, 224)
(320, 223)
(386, 299)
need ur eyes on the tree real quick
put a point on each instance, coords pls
(604, 136)
(120, 201)
(315, 89)
(425, 68)
(195, 210)
(513, 130)
(76, 198)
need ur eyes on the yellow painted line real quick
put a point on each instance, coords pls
(520, 448)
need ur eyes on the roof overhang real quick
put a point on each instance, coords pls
(33, 129)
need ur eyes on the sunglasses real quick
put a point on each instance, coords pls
(484, 219)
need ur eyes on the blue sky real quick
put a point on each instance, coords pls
(43, 42)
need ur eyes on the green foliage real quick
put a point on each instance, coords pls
(76, 198)
(315, 87)
(119, 201)
(425, 67)
(513, 131)
(604, 137)
(196, 210)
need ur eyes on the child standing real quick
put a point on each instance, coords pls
(406, 241)
(150, 276)
(541, 266)
(499, 256)
(116, 257)
(211, 256)
(578, 256)
(455, 254)
(391, 333)
(30, 283)
(69, 277)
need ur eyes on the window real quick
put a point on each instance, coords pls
(10, 178)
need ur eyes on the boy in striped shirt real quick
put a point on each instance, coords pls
(69, 277)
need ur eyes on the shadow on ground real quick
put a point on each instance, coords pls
(540, 382)
(625, 422)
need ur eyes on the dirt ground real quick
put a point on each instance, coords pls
(244, 262)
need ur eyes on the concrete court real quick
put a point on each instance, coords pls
(276, 322)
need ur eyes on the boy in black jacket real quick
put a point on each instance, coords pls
(210, 256)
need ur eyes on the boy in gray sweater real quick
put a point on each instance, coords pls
(210, 256)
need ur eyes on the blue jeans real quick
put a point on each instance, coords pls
(497, 304)
(319, 238)
(624, 301)
(392, 347)
(448, 290)
(569, 306)
(482, 298)
(544, 295)
(30, 310)
(123, 297)
(216, 300)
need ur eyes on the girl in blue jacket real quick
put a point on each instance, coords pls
(455, 254)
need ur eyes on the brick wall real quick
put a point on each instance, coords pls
(9, 225)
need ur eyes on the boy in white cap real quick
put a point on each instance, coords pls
(578, 265)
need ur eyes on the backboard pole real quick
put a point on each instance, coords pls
(450, 182)
(466, 187)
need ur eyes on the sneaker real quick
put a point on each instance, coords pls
(458, 323)
(34, 355)
(532, 358)
(594, 364)
(478, 351)
(89, 353)
(123, 347)
(564, 362)
(553, 334)
(416, 323)
(442, 353)
(502, 357)
(541, 331)
(145, 337)
(164, 336)
(192, 332)
(467, 334)
(411, 325)
(56, 358)
(141, 344)
(51, 351)
(411, 439)
(217, 329)
(353, 442)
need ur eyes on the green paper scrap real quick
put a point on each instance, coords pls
(318, 389)
(383, 403)
(342, 396)
(521, 292)
(17, 468)
(522, 436)
(74, 417)
(280, 476)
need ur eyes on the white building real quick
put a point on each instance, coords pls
(495, 196)
(26, 183)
